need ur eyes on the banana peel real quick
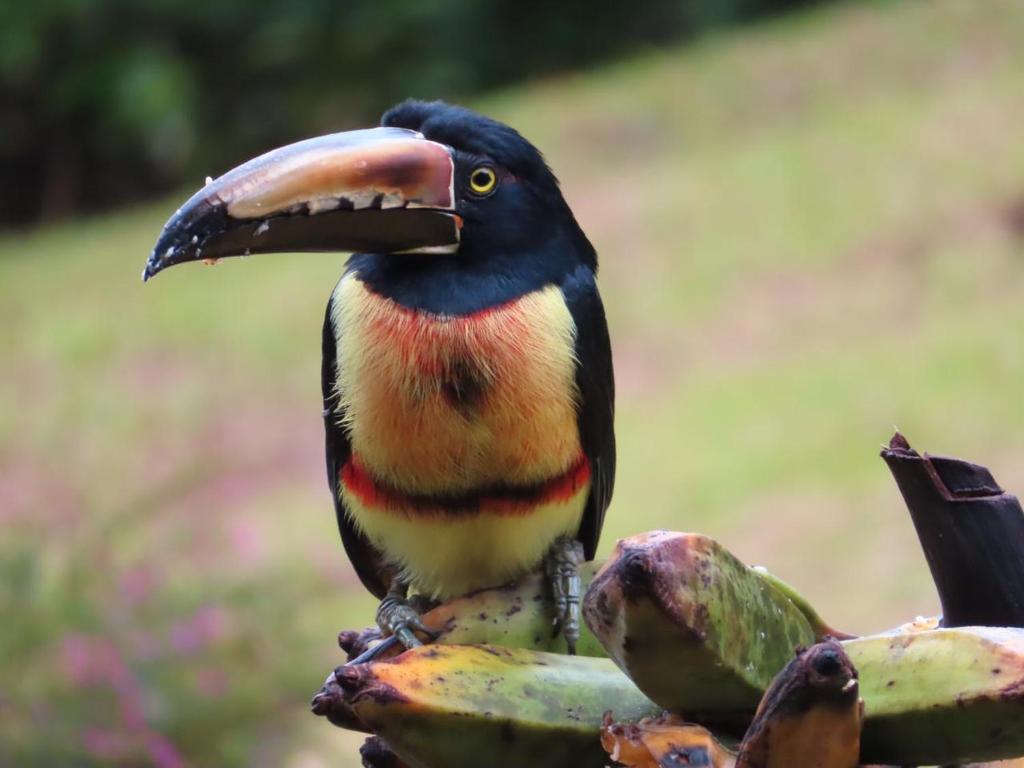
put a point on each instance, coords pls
(941, 696)
(442, 706)
(667, 740)
(700, 632)
(810, 716)
(516, 616)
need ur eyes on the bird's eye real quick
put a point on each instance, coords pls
(483, 180)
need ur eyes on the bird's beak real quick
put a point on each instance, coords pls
(385, 190)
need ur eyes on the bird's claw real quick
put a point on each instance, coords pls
(397, 617)
(563, 570)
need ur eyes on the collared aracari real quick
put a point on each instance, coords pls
(467, 375)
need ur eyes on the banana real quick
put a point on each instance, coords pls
(376, 754)
(819, 626)
(667, 740)
(810, 716)
(941, 696)
(448, 706)
(698, 631)
(703, 635)
(516, 616)
(520, 616)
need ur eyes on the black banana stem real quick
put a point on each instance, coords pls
(972, 534)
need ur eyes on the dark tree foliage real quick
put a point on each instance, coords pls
(106, 101)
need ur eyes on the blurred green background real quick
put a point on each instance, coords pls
(812, 230)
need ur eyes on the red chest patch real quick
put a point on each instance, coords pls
(445, 405)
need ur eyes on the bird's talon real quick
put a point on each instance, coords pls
(397, 617)
(407, 638)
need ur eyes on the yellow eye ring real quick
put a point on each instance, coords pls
(483, 180)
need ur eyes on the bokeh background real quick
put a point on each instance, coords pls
(811, 224)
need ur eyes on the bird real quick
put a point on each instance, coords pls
(468, 390)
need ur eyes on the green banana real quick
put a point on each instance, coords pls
(819, 626)
(698, 631)
(445, 706)
(515, 616)
(942, 695)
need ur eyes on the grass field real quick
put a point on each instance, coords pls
(811, 231)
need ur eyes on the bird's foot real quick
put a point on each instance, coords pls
(397, 616)
(562, 565)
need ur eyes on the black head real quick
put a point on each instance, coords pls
(506, 194)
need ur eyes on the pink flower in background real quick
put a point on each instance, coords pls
(136, 585)
(88, 660)
(248, 540)
(75, 654)
(162, 752)
(206, 626)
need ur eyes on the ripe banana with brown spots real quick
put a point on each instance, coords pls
(448, 706)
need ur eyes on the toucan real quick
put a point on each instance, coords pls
(468, 394)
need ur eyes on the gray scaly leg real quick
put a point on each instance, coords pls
(562, 566)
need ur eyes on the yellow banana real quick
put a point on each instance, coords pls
(447, 706)
(667, 740)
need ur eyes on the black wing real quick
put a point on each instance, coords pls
(595, 381)
(366, 559)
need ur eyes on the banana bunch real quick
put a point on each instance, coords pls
(673, 609)
(445, 706)
(684, 626)
(810, 717)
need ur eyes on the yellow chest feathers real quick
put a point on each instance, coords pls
(445, 405)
